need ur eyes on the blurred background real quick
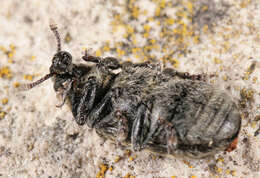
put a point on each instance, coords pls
(220, 37)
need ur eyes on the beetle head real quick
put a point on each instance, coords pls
(61, 63)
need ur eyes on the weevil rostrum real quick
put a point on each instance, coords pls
(143, 106)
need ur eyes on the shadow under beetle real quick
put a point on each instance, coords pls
(144, 106)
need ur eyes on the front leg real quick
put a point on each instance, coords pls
(102, 109)
(87, 100)
(64, 91)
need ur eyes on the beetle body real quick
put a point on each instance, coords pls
(146, 107)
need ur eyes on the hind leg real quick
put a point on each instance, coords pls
(171, 136)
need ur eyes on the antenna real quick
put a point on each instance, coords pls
(31, 85)
(54, 29)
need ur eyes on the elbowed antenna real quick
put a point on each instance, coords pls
(54, 28)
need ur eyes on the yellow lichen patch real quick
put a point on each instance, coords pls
(162, 4)
(106, 48)
(173, 177)
(192, 176)
(218, 169)
(4, 101)
(120, 52)
(189, 6)
(10, 61)
(233, 173)
(175, 63)
(247, 94)
(2, 114)
(205, 7)
(117, 159)
(220, 159)
(205, 28)
(67, 38)
(135, 50)
(12, 47)
(253, 124)
(10, 53)
(254, 79)
(32, 58)
(5, 72)
(196, 39)
(146, 35)
(16, 84)
(102, 171)
(157, 11)
(110, 168)
(98, 53)
(169, 21)
(127, 152)
(30, 147)
(28, 77)
(249, 71)
(128, 175)
(131, 158)
(225, 78)
(147, 28)
(135, 12)
(228, 171)
(188, 164)
(245, 3)
(217, 60)
(3, 49)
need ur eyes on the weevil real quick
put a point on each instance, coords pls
(144, 106)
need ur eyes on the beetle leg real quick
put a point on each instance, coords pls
(171, 139)
(201, 77)
(102, 109)
(86, 103)
(140, 127)
(65, 93)
(123, 128)
(212, 164)
(171, 136)
(89, 58)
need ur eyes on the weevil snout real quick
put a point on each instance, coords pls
(61, 63)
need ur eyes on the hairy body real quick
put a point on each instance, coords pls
(145, 106)
(159, 110)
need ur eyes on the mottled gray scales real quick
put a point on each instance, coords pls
(145, 106)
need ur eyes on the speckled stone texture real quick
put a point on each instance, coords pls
(37, 139)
